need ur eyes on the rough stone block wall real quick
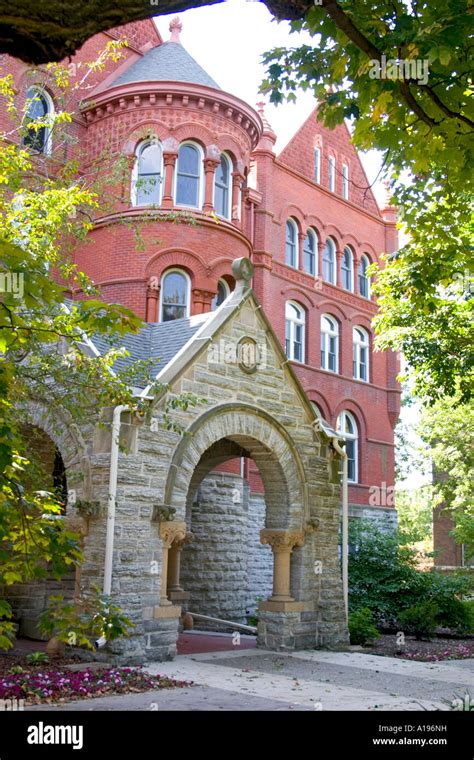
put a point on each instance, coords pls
(259, 557)
(383, 518)
(226, 568)
(214, 565)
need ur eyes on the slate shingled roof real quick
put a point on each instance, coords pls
(168, 62)
(160, 342)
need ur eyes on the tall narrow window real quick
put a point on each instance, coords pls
(291, 244)
(189, 176)
(146, 180)
(329, 262)
(347, 427)
(329, 343)
(294, 331)
(223, 291)
(317, 165)
(364, 281)
(222, 192)
(360, 354)
(345, 181)
(39, 111)
(332, 173)
(347, 269)
(309, 250)
(174, 296)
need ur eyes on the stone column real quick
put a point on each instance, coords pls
(301, 238)
(175, 591)
(201, 301)
(282, 543)
(170, 532)
(321, 247)
(237, 180)
(356, 261)
(210, 165)
(152, 301)
(169, 161)
(339, 255)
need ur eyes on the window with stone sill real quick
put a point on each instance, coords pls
(175, 293)
(147, 174)
(329, 262)
(291, 244)
(347, 269)
(347, 426)
(329, 343)
(294, 331)
(189, 174)
(39, 111)
(223, 187)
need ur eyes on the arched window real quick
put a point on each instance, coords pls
(332, 173)
(174, 295)
(291, 248)
(147, 173)
(317, 165)
(345, 181)
(347, 269)
(364, 281)
(189, 176)
(223, 290)
(39, 110)
(222, 191)
(329, 343)
(309, 250)
(294, 331)
(329, 262)
(360, 354)
(347, 426)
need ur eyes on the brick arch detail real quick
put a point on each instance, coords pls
(295, 294)
(363, 320)
(329, 307)
(180, 258)
(351, 241)
(141, 131)
(318, 398)
(221, 266)
(330, 231)
(295, 213)
(316, 225)
(194, 132)
(226, 143)
(350, 405)
(268, 444)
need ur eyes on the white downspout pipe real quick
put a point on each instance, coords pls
(112, 499)
(345, 525)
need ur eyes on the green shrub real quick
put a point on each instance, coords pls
(455, 614)
(361, 627)
(419, 620)
(382, 572)
(383, 575)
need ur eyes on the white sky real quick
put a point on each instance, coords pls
(228, 40)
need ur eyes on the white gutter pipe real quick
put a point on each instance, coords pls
(112, 500)
(345, 525)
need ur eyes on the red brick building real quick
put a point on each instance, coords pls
(203, 184)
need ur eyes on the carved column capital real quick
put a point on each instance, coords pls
(282, 540)
(172, 531)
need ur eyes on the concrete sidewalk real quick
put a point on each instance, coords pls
(256, 679)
